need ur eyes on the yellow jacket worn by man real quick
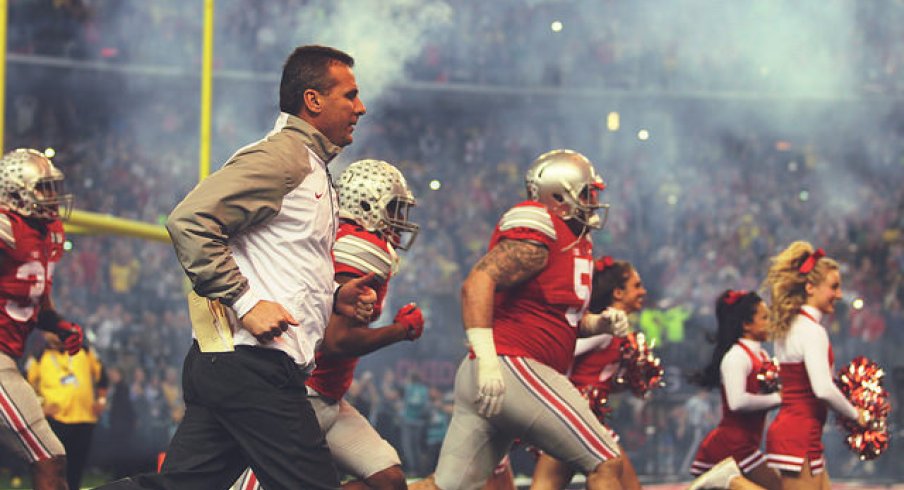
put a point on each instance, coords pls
(73, 391)
(67, 385)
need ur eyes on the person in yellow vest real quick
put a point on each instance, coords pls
(72, 389)
(124, 271)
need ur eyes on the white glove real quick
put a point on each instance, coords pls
(619, 321)
(611, 320)
(490, 387)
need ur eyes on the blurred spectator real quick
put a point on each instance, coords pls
(73, 392)
(119, 426)
(363, 395)
(441, 405)
(171, 389)
(701, 418)
(125, 270)
(415, 409)
(388, 417)
(867, 324)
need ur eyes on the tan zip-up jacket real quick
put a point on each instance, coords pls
(262, 227)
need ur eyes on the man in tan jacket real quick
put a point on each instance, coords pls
(255, 239)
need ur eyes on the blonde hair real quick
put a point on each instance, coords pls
(787, 285)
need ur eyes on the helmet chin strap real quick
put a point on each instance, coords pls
(584, 229)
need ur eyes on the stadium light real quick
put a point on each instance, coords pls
(613, 121)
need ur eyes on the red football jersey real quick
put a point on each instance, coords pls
(29, 251)
(356, 252)
(539, 318)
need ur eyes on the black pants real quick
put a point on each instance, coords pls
(243, 408)
(76, 438)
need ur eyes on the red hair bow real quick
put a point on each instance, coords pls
(600, 264)
(733, 296)
(811, 261)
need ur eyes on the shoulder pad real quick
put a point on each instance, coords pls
(7, 237)
(359, 253)
(532, 217)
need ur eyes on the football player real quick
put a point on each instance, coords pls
(523, 307)
(32, 204)
(374, 201)
(616, 284)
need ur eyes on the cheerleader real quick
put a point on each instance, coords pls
(617, 285)
(805, 284)
(743, 323)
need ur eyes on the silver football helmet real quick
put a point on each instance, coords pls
(568, 185)
(32, 186)
(374, 194)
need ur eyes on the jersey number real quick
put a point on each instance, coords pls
(583, 273)
(29, 271)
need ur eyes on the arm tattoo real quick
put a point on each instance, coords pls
(512, 262)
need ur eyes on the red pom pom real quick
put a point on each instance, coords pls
(598, 397)
(861, 382)
(641, 370)
(768, 377)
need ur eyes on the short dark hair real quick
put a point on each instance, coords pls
(307, 68)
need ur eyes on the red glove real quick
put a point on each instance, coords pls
(72, 336)
(412, 319)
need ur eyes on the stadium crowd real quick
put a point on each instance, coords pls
(611, 44)
(697, 210)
